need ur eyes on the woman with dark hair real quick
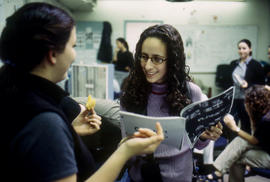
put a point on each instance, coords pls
(246, 72)
(123, 61)
(159, 85)
(123, 58)
(252, 150)
(41, 143)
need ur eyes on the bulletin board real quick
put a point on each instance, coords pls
(133, 30)
(88, 41)
(208, 46)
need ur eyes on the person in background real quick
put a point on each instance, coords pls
(159, 85)
(252, 150)
(267, 67)
(123, 61)
(246, 72)
(268, 52)
(123, 58)
(40, 122)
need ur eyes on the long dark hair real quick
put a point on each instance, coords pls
(124, 42)
(257, 100)
(31, 32)
(136, 89)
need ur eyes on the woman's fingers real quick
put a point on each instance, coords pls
(216, 130)
(145, 132)
(160, 130)
(139, 135)
(95, 125)
(144, 140)
(93, 118)
(220, 126)
(210, 135)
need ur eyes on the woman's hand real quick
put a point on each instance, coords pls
(87, 122)
(267, 86)
(244, 84)
(212, 134)
(144, 141)
(115, 52)
(230, 122)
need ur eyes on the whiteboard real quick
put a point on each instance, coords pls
(207, 46)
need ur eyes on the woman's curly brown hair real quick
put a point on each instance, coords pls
(136, 89)
(257, 101)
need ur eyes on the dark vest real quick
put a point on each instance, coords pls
(34, 95)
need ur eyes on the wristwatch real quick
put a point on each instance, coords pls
(237, 130)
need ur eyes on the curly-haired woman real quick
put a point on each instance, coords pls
(252, 150)
(159, 85)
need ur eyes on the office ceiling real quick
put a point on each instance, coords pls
(78, 5)
(88, 5)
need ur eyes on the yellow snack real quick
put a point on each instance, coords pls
(91, 102)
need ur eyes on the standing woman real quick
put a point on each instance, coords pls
(246, 72)
(39, 143)
(159, 85)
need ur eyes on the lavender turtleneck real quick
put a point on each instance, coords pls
(175, 165)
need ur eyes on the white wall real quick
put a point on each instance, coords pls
(53, 2)
(251, 12)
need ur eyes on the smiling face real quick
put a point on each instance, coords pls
(154, 47)
(244, 50)
(67, 57)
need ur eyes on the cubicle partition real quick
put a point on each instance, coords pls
(96, 79)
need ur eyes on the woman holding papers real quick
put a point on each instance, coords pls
(39, 142)
(246, 72)
(246, 149)
(159, 85)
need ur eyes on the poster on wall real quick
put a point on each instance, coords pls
(88, 41)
